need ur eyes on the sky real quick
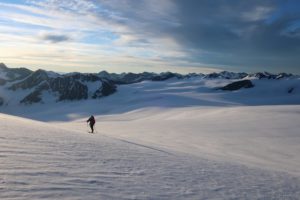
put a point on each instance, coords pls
(151, 35)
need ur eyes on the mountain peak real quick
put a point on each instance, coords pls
(3, 66)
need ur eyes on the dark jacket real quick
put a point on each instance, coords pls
(91, 120)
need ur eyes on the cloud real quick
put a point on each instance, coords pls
(55, 38)
(247, 34)
(258, 13)
(78, 6)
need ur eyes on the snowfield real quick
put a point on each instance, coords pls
(176, 139)
(40, 161)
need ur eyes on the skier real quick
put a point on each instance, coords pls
(92, 122)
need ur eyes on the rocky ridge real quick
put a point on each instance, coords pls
(79, 86)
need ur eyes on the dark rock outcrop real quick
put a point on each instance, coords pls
(283, 75)
(290, 90)
(31, 81)
(13, 74)
(238, 85)
(107, 87)
(64, 88)
(129, 78)
(261, 75)
(1, 101)
(165, 76)
(83, 77)
(2, 81)
(267, 75)
(18, 73)
(34, 97)
(104, 74)
(3, 66)
(68, 88)
(226, 75)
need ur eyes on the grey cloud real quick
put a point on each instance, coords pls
(247, 33)
(55, 38)
(217, 27)
(221, 32)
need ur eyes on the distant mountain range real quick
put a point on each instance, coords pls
(42, 86)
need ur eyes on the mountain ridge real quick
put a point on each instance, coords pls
(80, 86)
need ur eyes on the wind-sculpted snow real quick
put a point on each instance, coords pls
(40, 161)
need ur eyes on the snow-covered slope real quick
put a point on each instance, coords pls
(40, 161)
(174, 139)
(264, 136)
(173, 93)
(188, 117)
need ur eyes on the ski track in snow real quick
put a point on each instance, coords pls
(40, 161)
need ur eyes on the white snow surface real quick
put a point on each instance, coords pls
(177, 139)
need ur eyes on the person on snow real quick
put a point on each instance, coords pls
(92, 122)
